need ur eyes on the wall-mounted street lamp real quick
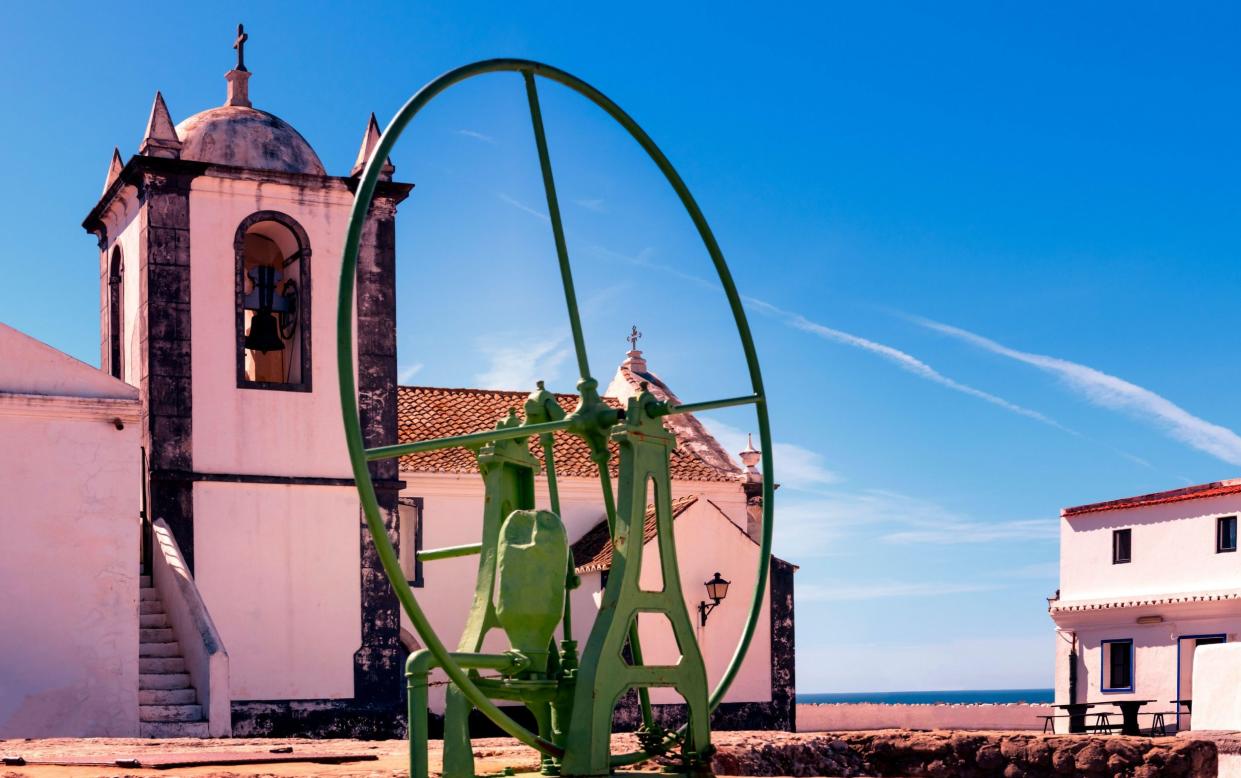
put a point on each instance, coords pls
(717, 589)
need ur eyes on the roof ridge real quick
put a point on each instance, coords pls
(476, 390)
(1197, 491)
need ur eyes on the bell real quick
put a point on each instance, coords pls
(264, 334)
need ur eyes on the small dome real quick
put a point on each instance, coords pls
(247, 137)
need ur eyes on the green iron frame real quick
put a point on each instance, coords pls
(592, 420)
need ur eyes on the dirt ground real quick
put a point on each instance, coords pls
(491, 756)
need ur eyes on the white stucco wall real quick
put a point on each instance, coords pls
(1173, 550)
(1217, 678)
(296, 439)
(278, 567)
(69, 530)
(1161, 661)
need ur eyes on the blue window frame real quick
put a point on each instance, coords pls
(1116, 665)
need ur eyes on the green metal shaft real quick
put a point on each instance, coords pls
(449, 552)
(553, 213)
(473, 439)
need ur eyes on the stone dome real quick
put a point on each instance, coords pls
(247, 137)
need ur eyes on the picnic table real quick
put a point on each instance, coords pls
(1189, 704)
(1077, 715)
(1129, 715)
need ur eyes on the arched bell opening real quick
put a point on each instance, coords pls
(273, 303)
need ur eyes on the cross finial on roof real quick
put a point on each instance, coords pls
(634, 337)
(240, 45)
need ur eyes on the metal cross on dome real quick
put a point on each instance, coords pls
(634, 337)
(240, 45)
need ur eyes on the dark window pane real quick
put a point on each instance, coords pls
(1121, 542)
(1226, 534)
(1121, 665)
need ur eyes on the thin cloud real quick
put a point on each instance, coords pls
(955, 533)
(904, 361)
(592, 204)
(796, 467)
(852, 591)
(476, 135)
(519, 205)
(1117, 394)
(407, 373)
(519, 367)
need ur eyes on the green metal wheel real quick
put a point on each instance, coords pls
(582, 424)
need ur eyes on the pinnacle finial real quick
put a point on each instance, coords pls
(114, 168)
(160, 138)
(370, 139)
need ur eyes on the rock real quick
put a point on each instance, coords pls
(1176, 765)
(1146, 771)
(1038, 753)
(940, 769)
(1091, 759)
(839, 745)
(1013, 748)
(1013, 771)
(989, 758)
(1062, 761)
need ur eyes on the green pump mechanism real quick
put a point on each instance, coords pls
(525, 570)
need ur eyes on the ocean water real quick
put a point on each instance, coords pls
(958, 696)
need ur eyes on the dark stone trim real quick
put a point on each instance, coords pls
(134, 174)
(251, 478)
(305, 300)
(131, 175)
(319, 719)
(783, 644)
(165, 381)
(378, 671)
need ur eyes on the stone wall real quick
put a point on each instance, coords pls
(943, 754)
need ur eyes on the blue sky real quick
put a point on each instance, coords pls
(989, 251)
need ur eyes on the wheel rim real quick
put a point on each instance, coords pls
(359, 455)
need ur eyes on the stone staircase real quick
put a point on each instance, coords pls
(167, 703)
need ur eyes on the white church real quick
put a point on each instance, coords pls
(162, 575)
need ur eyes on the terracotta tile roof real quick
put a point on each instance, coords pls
(593, 551)
(1138, 602)
(1213, 489)
(427, 412)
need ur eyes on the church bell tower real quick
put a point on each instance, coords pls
(219, 260)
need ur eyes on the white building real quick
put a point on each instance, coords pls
(1144, 581)
(263, 608)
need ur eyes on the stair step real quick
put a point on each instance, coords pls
(167, 697)
(150, 606)
(152, 620)
(170, 712)
(164, 729)
(166, 650)
(144, 581)
(163, 681)
(148, 593)
(161, 664)
(155, 634)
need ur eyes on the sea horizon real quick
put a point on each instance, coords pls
(942, 696)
